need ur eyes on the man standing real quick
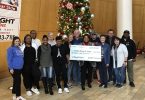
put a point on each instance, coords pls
(131, 55)
(110, 41)
(76, 68)
(60, 59)
(35, 42)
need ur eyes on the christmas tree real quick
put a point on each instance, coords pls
(74, 14)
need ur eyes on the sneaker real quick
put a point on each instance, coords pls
(69, 85)
(14, 97)
(105, 86)
(35, 90)
(59, 90)
(110, 81)
(120, 86)
(20, 98)
(101, 85)
(131, 84)
(66, 90)
(117, 85)
(10, 87)
(29, 93)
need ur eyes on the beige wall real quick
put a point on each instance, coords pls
(41, 15)
(105, 14)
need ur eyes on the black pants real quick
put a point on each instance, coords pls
(17, 82)
(111, 72)
(36, 74)
(27, 77)
(61, 72)
(103, 72)
(86, 69)
(31, 76)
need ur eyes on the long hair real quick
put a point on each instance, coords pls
(87, 36)
(13, 41)
(116, 38)
(28, 35)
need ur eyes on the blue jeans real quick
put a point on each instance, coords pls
(70, 65)
(76, 72)
(119, 74)
(47, 72)
(103, 72)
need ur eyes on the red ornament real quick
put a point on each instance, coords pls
(75, 17)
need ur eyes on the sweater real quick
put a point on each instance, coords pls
(44, 56)
(15, 58)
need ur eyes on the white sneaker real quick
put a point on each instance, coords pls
(20, 98)
(11, 88)
(29, 93)
(66, 90)
(35, 90)
(59, 90)
(14, 97)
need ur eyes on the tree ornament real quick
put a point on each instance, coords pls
(69, 6)
(83, 10)
(79, 19)
(92, 15)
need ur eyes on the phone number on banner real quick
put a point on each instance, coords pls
(6, 37)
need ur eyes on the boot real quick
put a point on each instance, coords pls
(50, 86)
(132, 84)
(44, 80)
(83, 87)
(89, 85)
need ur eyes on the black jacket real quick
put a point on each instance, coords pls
(63, 52)
(130, 46)
(29, 56)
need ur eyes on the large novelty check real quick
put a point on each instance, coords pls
(85, 53)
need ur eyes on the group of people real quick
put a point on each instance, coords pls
(49, 61)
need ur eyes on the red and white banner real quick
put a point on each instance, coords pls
(9, 19)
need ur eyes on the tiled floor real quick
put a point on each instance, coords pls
(95, 93)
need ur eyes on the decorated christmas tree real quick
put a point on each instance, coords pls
(74, 14)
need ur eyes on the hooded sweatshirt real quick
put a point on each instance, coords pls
(15, 58)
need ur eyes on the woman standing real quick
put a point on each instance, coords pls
(70, 64)
(28, 72)
(86, 68)
(45, 63)
(120, 54)
(15, 64)
(105, 53)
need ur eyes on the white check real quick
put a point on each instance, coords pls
(85, 53)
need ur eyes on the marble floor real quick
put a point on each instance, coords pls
(95, 93)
